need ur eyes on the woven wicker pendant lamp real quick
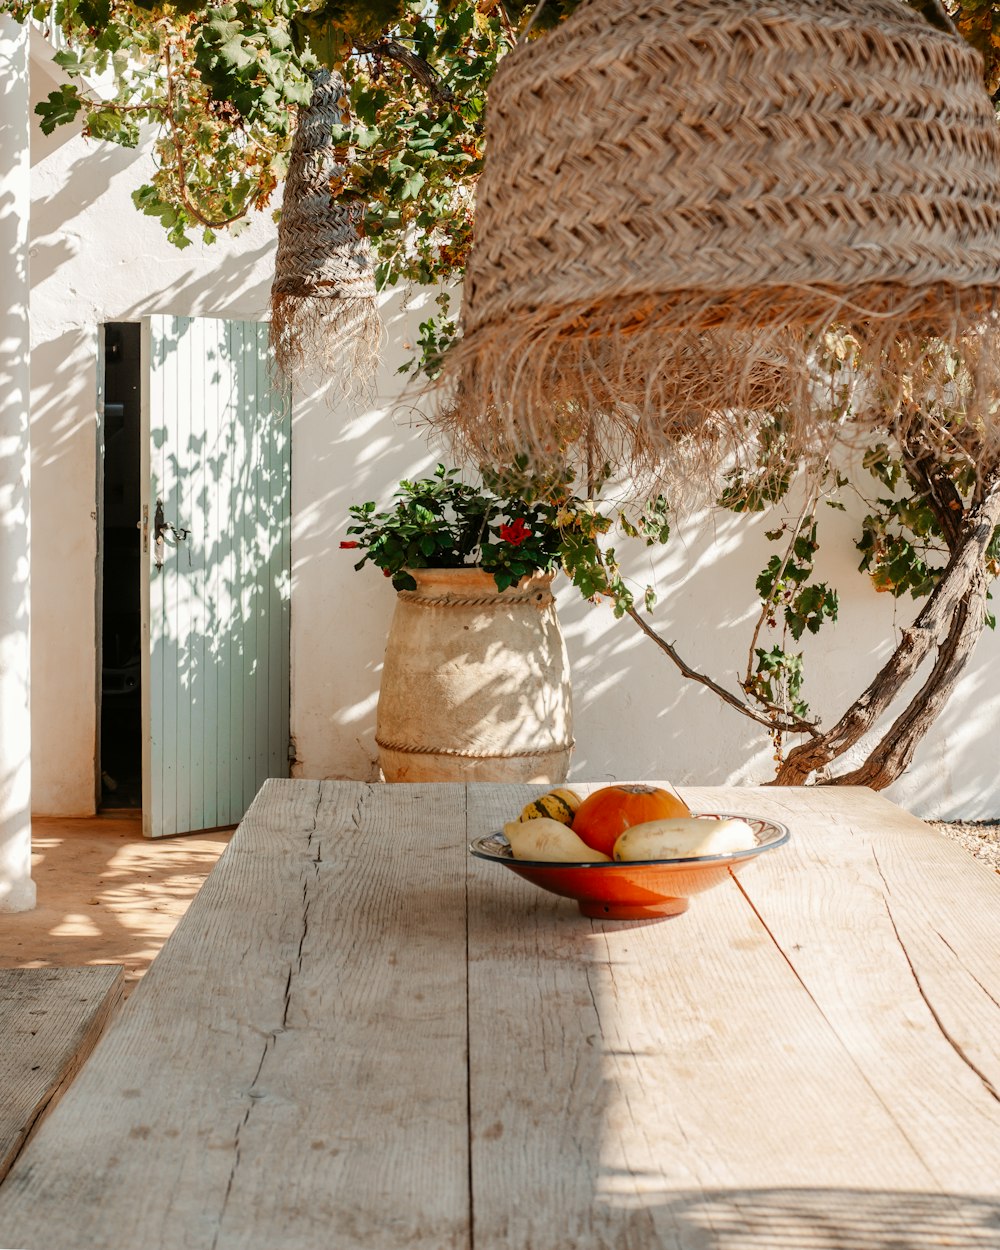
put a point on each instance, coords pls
(324, 317)
(682, 196)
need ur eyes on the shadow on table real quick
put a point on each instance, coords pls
(582, 1033)
(807, 1219)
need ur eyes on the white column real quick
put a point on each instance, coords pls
(17, 890)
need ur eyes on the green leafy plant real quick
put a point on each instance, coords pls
(506, 526)
(222, 82)
(519, 521)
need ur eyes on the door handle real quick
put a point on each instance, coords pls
(163, 532)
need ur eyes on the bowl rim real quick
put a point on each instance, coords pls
(478, 849)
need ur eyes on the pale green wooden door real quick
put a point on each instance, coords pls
(216, 561)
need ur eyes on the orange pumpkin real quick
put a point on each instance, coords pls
(608, 812)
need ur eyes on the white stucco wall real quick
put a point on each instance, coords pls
(17, 890)
(95, 259)
(635, 716)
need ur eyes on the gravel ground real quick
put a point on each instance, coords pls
(980, 838)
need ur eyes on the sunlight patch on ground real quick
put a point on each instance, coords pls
(76, 925)
(105, 894)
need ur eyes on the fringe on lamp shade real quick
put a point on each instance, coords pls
(324, 315)
(682, 198)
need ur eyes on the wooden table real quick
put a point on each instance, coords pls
(359, 1036)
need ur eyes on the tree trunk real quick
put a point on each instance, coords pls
(951, 621)
(893, 754)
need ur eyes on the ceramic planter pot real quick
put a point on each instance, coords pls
(475, 685)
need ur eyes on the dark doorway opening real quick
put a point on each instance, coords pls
(121, 627)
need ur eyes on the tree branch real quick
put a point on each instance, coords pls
(893, 754)
(935, 618)
(792, 725)
(498, 6)
(418, 67)
(935, 13)
(182, 189)
(536, 13)
(771, 605)
(938, 489)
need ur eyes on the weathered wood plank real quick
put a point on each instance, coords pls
(680, 1083)
(50, 1019)
(292, 1070)
(898, 947)
(366, 1088)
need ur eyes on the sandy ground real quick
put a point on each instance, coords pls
(981, 838)
(105, 893)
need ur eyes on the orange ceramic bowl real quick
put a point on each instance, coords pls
(646, 889)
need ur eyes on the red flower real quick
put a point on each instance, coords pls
(350, 544)
(515, 533)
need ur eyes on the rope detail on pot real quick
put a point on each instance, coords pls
(405, 749)
(538, 599)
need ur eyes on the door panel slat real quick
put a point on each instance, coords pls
(216, 702)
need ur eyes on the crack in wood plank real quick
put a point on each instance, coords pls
(253, 1094)
(777, 945)
(359, 806)
(900, 1125)
(952, 1042)
(971, 975)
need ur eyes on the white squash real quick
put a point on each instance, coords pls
(547, 839)
(684, 837)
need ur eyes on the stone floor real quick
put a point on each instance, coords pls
(105, 893)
